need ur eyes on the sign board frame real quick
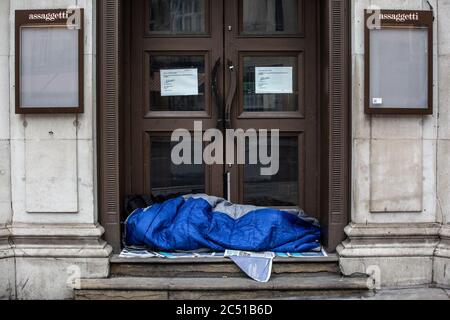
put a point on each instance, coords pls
(54, 18)
(394, 19)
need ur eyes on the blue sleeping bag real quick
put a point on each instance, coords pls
(199, 222)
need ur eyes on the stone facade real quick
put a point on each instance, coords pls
(404, 233)
(48, 218)
(400, 202)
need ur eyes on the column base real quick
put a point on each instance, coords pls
(7, 274)
(50, 259)
(442, 259)
(395, 255)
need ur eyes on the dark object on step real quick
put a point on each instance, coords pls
(164, 198)
(135, 202)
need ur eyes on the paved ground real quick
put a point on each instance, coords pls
(419, 293)
(412, 294)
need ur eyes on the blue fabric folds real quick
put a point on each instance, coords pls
(199, 222)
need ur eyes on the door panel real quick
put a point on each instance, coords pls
(166, 178)
(158, 106)
(177, 17)
(282, 189)
(270, 36)
(245, 37)
(167, 35)
(192, 103)
(269, 105)
(270, 17)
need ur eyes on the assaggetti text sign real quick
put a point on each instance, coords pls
(274, 80)
(179, 82)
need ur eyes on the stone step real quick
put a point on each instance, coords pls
(304, 286)
(214, 267)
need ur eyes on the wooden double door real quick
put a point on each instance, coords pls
(226, 42)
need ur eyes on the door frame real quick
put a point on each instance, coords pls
(335, 118)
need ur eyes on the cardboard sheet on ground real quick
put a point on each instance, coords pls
(143, 253)
(179, 82)
(257, 266)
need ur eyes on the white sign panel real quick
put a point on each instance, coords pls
(179, 82)
(273, 80)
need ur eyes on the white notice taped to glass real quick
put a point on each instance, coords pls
(179, 82)
(273, 80)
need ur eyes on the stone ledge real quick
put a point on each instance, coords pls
(390, 240)
(67, 241)
(228, 295)
(116, 259)
(5, 246)
(301, 282)
(348, 250)
(393, 231)
(61, 230)
(443, 248)
(445, 232)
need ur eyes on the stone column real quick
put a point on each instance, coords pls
(442, 259)
(395, 218)
(7, 280)
(54, 228)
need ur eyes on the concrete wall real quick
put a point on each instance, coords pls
(400, 186)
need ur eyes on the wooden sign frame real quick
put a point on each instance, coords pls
(395, 19)
(55, 18)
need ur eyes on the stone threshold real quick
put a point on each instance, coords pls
(292, 282)
(115, 259)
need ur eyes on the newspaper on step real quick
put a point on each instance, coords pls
(257, 266)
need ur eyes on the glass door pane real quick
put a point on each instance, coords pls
(185, 94)
(168, 81)
(280, 190)
(270, 17)
(166, 178)
(175, 17)
(270, 84)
